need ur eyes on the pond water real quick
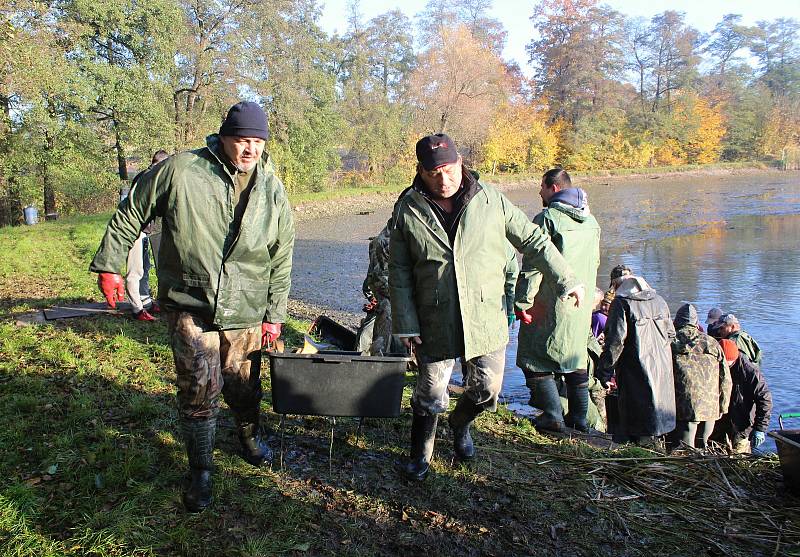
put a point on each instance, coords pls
(731, 242)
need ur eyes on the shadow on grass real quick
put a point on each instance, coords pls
(94, 463)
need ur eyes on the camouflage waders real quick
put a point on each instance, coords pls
(210, 362)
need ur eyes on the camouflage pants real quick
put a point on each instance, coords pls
(209, 362)
(483, 379)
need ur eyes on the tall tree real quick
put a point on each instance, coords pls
(376, 64)
(577, 55)
(726, 43)
(472, 15)
(673, 57)
(776, 44)
(456, 87)
(285, 60)
(204, 77)
(125, 51)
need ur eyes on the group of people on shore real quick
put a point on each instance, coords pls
(672, 378)
(448, 257)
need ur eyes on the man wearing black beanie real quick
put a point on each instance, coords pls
(224, 269)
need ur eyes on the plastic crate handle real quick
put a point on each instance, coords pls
(788, 415)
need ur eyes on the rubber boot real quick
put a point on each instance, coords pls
(423, 436)
(460, 419)
(254, 450)
(545, 397)
(199, 438)
(578, 397)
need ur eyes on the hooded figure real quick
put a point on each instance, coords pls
(637, 349)
(553, 334)
(702, 379)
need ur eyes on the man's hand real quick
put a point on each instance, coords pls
(758, 438)
(270, 333)
(524, 316)
(577, 292)
(113, 288)
(407, 341)
(511, 319)
(371, 305)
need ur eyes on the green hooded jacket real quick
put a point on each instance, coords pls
(747, 345)
(556, 340)
(231, 278)
(452, 295)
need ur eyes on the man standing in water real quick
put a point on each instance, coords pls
(447, 258)
(553, 333)
(223, 280)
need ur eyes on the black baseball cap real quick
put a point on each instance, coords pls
(435, 151)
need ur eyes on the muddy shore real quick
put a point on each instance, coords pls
(369, 201)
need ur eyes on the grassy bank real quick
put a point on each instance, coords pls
(92, 463)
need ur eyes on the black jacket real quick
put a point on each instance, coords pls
(637, 349)
(751, 400)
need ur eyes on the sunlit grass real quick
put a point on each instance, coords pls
(92, 462)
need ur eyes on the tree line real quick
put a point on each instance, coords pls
(89, 90)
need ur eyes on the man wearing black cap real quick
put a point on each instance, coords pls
(224, 273)
(447, 259)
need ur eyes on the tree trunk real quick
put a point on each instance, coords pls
(47, 183)
(122, 161)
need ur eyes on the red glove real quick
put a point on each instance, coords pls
(113, 288)
(270, 333)
(524, 317)
(369, 306)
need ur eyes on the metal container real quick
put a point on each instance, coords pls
(337, 384)
(31, 215)
(788, 443)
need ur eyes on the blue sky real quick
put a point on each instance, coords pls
(514, 14)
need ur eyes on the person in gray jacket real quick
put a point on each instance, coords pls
(637, 350)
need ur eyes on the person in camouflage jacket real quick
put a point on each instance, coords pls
(702, 380)
(376, 289)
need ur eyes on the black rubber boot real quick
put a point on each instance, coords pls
(199, 438)
(545, 397)
(460, 419)
(578, 397)
(423, 436)
(254, 449)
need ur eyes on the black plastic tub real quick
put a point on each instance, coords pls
(788, 442)
(333, 333)
(337, 384)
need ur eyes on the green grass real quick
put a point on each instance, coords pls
(92, 464)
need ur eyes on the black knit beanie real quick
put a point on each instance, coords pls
(245, 119)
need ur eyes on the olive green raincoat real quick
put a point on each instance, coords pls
(452, 295)
(231, 278)
(555, 342)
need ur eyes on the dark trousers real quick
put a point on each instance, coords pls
(687, 432)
